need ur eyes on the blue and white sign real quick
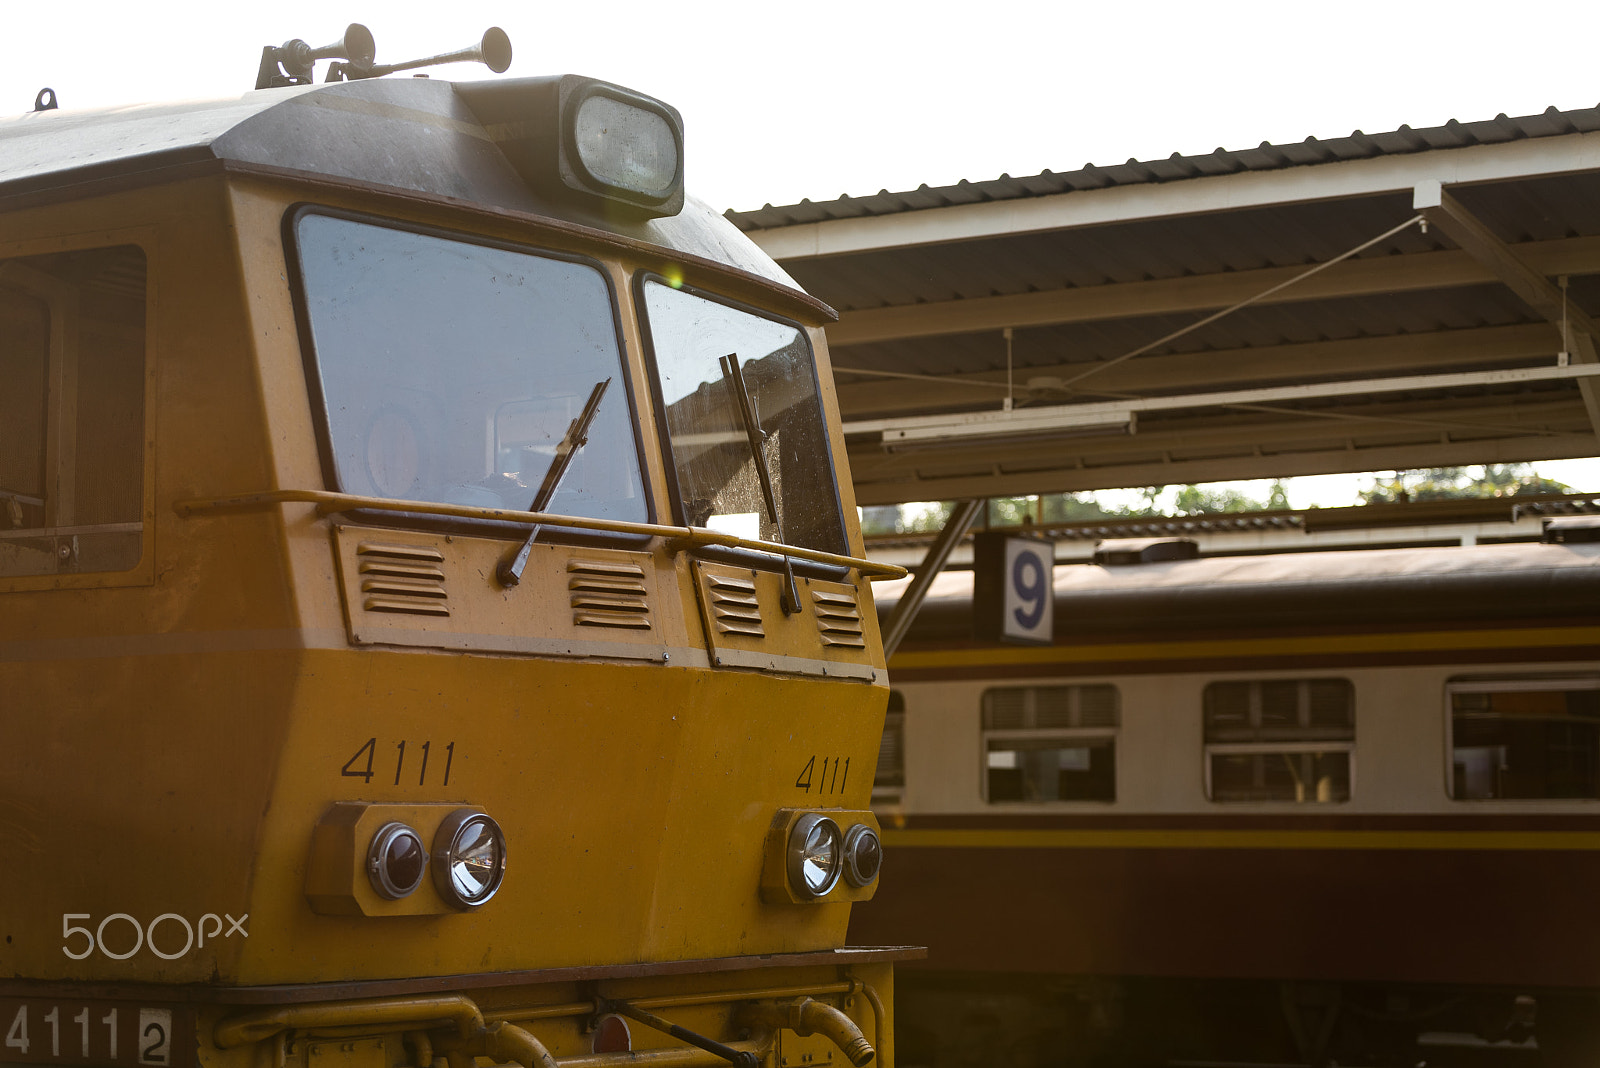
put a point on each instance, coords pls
(1028, 613)
(1013, 588)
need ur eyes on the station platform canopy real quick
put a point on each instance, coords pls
(1414, 298)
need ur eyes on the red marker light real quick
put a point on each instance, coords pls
(396, 861)
(611, 1035)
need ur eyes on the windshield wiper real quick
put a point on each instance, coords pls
(734, 375)
(510, 571)
(753, 433)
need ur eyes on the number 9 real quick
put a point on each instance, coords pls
(1028, 579)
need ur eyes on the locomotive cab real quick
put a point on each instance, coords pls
(432, 609)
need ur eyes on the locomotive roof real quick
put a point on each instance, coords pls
(413, 135)
(1474, 583)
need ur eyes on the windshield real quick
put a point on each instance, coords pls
(744, 421)
(451, 372)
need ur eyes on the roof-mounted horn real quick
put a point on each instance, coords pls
(291, 63)
(493, 51)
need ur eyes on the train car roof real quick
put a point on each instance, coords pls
(1486, 582)
(411, 135)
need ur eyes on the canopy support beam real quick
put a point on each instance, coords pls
(1477, 240)
(955, 528)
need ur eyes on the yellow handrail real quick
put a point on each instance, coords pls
(255, 1025)
(677, 538)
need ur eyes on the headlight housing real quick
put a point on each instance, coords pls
(863, 855)
(583, 141)
(396, 861)
(469, 858)
(806, 857)
(815, 855)
(625, 144)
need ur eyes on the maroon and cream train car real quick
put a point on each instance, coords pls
(1321, 806)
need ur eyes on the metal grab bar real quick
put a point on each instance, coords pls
(677, 538)
(501, 1041)
(877, 1012)
(849, 987)
(740, 1058)
(669, 1057)
(264, 1023)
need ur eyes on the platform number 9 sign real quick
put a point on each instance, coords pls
(1030, 594)
(1013, 588)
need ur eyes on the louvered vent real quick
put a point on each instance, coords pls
(891, 753)
(839, 618)
(1052, 706)
(1015, 708)
(734, 605)
(1006, 709)
(608, 593)
(408, 579)
(1278, 710)
(1097, 706)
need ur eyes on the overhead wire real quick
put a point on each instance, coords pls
(1257, 298)
(1007, 386)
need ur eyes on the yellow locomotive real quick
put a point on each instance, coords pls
(432, 616)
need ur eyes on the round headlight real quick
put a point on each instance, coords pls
(863, 855)
(815, 855)
(469, 858)
(396, 861)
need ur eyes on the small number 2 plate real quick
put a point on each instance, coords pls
(104, 1033)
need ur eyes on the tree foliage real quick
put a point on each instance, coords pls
(1455, 483)
(1067, 508)
(1194, 500)
(1434, 483)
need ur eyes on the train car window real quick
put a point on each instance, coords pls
(450, 371)
(744, 421)
(1279, 740)
(1050, 743)
(72, 374)
(1525, 739)
(888, 784)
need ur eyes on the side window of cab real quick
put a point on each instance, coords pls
(72, 419)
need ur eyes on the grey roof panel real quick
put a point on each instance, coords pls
(412, 134)
(1265, 157)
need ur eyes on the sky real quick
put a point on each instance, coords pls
(792, 100)
(813, 100)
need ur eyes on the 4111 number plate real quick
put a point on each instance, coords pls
(108, 1034)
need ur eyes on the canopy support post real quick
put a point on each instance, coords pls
(955, 528)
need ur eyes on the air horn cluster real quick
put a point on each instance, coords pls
(292, 62)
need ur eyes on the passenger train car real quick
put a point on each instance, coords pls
(1302, 808)
(433, 620)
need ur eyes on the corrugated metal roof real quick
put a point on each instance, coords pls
(1552, 122)
(941, 310)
